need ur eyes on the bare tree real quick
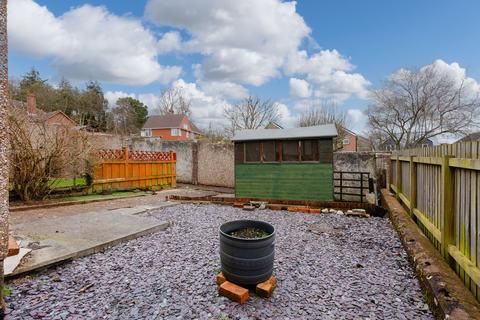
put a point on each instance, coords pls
(41, 153)
(3, 144)
(251, 113)
(324, 112)
(419, 104)
(215, 133)
(173, 100)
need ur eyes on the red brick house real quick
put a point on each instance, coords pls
(354, 142)
(170, 127)
(51, 118)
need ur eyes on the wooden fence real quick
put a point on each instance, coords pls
(121, 169)
(441, 188)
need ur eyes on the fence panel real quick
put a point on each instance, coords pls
(121, 169)
(441, 188)
(405, 170)
(393, 172)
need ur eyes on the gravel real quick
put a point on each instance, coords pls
(328, 266)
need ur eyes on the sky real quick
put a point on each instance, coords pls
(218, 52)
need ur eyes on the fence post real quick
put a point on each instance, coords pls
(126, 160)
(413, 187)
(447, 226)
(398, 168)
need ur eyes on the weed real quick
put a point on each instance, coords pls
(7, 291)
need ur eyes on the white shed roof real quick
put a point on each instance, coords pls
(323, 131)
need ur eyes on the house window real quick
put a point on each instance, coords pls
(268, 151)
(185, 126)
(146, 133)
(252, 150)
(310, 150)
(290, 150)
(346, 141)
(175, 132)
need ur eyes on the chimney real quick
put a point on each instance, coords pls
(31, 103)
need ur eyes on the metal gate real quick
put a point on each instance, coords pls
(351, 185)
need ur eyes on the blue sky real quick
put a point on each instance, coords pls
(333, 50)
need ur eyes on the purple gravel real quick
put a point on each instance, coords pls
(348, 268)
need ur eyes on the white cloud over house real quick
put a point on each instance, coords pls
(299, 88)
(88, 42)
(356, 115)
(242, 41)
(233, 45)
(330, 74)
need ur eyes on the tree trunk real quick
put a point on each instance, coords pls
(3, 144)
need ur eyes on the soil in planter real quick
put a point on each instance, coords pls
(250, 233)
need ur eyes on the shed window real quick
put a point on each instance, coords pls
(269, 151)
(290, 150)
(252, 150)
(326, 150)
(310, 150)
(239, 153)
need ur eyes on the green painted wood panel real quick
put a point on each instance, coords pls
(285, 181)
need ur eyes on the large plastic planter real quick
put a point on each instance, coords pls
(246, 262)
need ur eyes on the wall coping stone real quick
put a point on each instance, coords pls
(446, 295)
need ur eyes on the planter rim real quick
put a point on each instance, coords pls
(247, 239)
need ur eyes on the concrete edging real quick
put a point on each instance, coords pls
(89, 251)
(445, 293)
(67, 203)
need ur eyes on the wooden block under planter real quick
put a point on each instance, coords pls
(238, 204)
(275, 206)
(299, 209)
(220, 278)
(315, 210)
(233, 292)
(13, 248)
(265, 289)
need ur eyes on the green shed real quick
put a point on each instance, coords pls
(285, 164)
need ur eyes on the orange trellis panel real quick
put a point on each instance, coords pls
(122, 169)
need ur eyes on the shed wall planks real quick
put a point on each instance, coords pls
(285, 181)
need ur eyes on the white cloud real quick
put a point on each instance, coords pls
(331, 74)
(113, 96)
(356, 115)
(205, 108)
(149, 99)
(457, 74)
(227, 90)
(287, 119)
(244, 41)
(170, 41)
(88, 43)
(299, 88)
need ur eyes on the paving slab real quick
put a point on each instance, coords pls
(56, 239)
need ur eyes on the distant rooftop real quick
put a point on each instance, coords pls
(323, 131)
(168, 121)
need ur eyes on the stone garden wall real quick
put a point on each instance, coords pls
(198, 162)
(207, 163)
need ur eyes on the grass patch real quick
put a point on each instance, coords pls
(61, 183)
(68, 183)
(93, 197)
